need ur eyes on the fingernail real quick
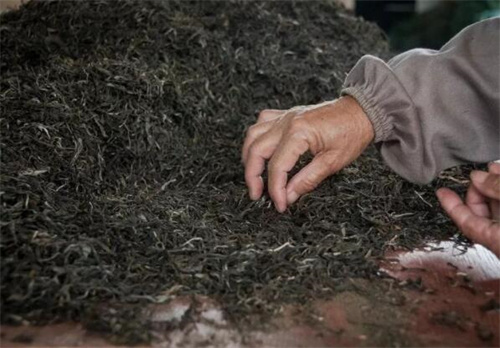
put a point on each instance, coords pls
(478, 177)
(291, 197)
(279, 209)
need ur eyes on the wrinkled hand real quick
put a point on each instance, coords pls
(478, 218)
(335, 132)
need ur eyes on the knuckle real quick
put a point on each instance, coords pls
(313, 180)
(297, 126)
(254, 149)
(251, 132)
(309, 184)
(263, 114)
(297, 123)
(251, 150)
(297, 109)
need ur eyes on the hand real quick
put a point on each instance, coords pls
(478, 218)
(335, 132)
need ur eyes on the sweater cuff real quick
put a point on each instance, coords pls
(378, 91)
(379, 122)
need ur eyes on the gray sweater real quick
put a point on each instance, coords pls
(432, 110)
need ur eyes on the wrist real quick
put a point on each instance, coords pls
(359, 117)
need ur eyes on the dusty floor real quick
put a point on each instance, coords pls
(451, 300)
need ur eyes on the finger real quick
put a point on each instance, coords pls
(284, 159)
(253, 133)
(486, 183)
(261, 150)
(269, 115)
(481, 230)
(448, 199)
(494, 168)
(309, 177)
(477, 202)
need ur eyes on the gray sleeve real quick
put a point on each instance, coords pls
(432, 110)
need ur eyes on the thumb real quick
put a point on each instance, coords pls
(309, 177)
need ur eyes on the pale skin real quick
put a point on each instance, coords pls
(336, 133)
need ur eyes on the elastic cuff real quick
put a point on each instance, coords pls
(379, 120)
(381, 95)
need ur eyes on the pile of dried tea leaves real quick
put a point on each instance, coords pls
(121, 182)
